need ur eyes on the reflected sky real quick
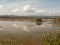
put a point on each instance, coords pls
(25, 26)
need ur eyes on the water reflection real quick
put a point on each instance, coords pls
(26, 26)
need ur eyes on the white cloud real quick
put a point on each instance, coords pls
(26, 7)
(40, 11)
(1, 6)
(30, 7)
(15, 10)
(21, 10)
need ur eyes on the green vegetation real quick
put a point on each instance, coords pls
(52, 39)
(47, 39)
(38, 21)
(10, 41)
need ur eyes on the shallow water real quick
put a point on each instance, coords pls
(27, 26)
(26, 31)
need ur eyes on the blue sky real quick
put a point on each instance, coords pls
(29, 7)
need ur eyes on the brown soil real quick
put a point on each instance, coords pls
(34, 43)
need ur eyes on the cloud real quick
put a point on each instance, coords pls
(15, 10)
(30, 7)
(26, 10)
(40, 11)
(1, 6)
(26, 7)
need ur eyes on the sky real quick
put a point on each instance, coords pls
(29, 7)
